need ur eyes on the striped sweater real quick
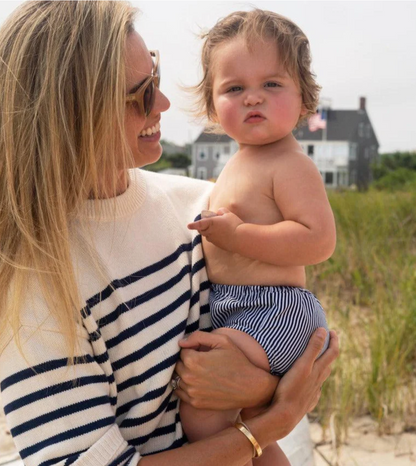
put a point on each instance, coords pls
(115, 404)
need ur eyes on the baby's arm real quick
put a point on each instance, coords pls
(307, 234)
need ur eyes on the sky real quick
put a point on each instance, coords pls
(359, 48)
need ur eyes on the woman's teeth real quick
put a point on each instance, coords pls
(150, 131)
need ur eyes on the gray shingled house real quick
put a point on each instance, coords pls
(343, 151)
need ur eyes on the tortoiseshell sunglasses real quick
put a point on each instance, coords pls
(144, 97)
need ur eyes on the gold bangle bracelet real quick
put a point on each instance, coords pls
(257, 451)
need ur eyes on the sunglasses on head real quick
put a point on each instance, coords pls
(144, 97)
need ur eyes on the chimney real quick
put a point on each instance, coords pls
(362, 103)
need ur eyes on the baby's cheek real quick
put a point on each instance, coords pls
(228, 116)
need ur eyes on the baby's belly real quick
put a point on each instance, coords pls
(232, 269)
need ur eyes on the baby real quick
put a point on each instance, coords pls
(270, 216)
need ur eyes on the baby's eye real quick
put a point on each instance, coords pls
(272, 84)
(235, 89)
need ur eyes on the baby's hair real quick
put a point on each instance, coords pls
(292, 45)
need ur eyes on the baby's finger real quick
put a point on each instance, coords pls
(208, 214)
(222, 211)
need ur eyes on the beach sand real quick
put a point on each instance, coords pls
(365, 447)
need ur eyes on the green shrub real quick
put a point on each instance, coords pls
(402, 179)
(368, 290)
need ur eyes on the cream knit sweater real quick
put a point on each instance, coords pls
(116, 403)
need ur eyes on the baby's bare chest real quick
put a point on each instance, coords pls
(247, 192)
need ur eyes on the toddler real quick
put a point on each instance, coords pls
(269, 213)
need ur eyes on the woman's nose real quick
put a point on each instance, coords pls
(162, 103)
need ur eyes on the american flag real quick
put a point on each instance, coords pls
(317, 121)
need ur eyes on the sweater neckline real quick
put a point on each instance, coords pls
(120, 206)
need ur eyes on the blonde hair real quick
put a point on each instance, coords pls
(292, 45)
(62, 107)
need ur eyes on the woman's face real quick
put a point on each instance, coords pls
(143, 133)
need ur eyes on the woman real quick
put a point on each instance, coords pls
(99, 276)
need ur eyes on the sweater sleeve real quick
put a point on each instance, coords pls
(60, 414)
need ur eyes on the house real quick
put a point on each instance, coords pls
(210, 153)
(343, 151)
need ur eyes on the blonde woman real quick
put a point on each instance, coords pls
(99, 277)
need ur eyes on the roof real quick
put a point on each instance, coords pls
(213, 138)
(341, 126)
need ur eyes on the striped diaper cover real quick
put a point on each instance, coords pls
(280, 318)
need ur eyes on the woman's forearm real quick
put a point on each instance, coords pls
(227, 448)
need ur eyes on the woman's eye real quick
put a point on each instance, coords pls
(272, 84)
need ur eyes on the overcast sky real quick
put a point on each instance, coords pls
(359, 49)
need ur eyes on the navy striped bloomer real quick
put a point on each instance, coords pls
(280, 318)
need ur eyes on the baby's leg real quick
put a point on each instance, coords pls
(199, 424)
(272, 456)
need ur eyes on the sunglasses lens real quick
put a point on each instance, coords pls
(149, 98)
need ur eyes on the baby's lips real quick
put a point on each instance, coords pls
(208, 214)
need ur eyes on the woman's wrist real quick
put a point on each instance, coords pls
(270, 426)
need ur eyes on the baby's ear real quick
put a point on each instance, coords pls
(303, 110)
(213, 117)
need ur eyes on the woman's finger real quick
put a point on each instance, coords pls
(204, 340)
(329, 356)
(312, 351)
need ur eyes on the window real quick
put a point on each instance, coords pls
(329, 178)
(202, 155)
(361, 129)
(368, 130)
(311, 149)
(342, 178)
(201, 173)
(353, 152)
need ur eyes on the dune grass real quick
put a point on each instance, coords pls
(368, 289)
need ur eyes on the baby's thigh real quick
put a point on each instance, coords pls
(248, 345)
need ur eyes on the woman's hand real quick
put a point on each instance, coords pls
(215, 374)
(299, 389)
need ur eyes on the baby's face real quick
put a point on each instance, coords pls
(255, 99)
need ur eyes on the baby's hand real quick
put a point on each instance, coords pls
(219, 228)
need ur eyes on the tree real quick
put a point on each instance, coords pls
(390, 162)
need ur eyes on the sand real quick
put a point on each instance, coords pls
(365, 447)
